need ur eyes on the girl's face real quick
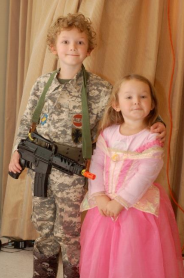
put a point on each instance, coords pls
(71, 47)
(135, 101)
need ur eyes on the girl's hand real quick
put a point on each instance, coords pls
(14, 165)
(113, 209)
(102, 202)
(161, 129)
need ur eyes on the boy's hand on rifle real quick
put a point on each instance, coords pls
(113, 209)
(102, 202)
(14, 165)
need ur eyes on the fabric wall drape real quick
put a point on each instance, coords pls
(4, 19)
(133, 36)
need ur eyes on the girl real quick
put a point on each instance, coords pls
(130, 230)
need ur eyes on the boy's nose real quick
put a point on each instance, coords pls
(72, 46)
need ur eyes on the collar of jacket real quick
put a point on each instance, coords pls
(77, 80)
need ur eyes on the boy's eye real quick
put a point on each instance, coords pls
(80, 42)
(65, 42)
(129, 97)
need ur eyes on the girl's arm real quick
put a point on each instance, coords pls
(141, 175)
(96, 186)
(102, 202)
(96, 189)
(113, 209)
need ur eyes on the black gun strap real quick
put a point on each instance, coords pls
(86, 133)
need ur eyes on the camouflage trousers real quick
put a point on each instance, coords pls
(57, 219)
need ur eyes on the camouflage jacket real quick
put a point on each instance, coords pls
(60, 120)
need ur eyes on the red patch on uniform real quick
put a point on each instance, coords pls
(77, 120)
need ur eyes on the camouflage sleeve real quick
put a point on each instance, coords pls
(159, 119)
(104, 94)
(26, 119)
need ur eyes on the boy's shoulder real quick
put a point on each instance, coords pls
(46, 76)
(96, 79)
(92, 77)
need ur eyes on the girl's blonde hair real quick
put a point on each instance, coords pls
(69, 22)
(111, 116)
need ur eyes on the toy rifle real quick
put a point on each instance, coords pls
(41, 158)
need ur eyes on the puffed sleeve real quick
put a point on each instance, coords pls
(143, 172)
(96, 186)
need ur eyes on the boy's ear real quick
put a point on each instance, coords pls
(53, 49)
(89, 52)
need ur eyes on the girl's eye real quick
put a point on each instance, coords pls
(129, 97)
(80, 42)
(143, 96)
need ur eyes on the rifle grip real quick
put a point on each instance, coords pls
(40, 185)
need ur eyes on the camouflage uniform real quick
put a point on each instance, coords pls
(57, 217)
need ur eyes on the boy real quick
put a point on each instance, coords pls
(57, 217)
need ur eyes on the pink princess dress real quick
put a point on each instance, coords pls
(144, 241)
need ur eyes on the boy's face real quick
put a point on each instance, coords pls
(71, 47)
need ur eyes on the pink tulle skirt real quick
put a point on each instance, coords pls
(137, 245)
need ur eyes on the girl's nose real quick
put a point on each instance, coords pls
(136, 101)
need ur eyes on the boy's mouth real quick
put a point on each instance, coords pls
(72, 55)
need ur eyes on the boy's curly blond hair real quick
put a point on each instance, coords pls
(69, 22)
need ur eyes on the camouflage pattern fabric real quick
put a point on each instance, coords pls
(45, 266)
(61, 114)
(57, 218)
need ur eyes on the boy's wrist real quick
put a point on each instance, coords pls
(160, 120)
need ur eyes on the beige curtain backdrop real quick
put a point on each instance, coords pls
(133, 36)
(4, 19)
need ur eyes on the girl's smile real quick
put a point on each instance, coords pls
(134, 100)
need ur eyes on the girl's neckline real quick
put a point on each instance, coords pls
(136, 133)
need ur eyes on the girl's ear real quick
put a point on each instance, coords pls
(116, 107)
(152, 105)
